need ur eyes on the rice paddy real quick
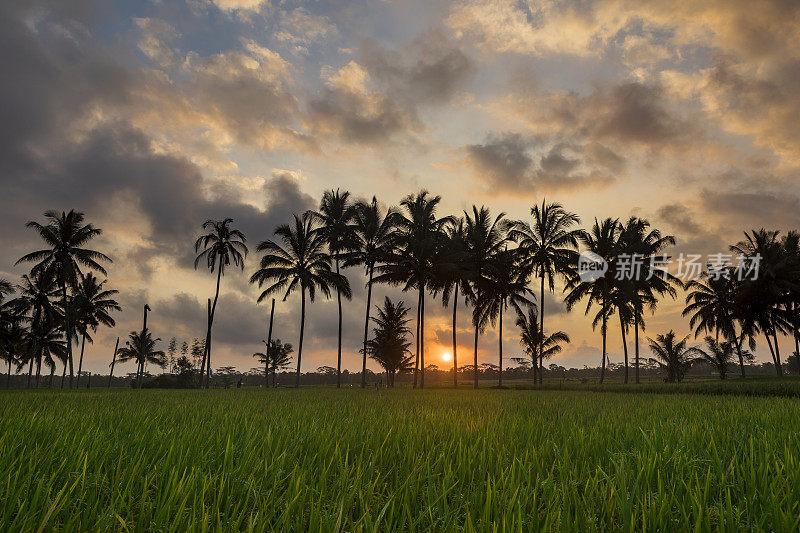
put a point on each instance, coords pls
(320, 459)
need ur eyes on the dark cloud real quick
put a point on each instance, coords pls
(635, 112)
(512, 162)
(753, 210)
(680, 218)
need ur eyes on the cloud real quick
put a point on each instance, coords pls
(512, 162)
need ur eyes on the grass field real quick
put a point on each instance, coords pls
(319, 459)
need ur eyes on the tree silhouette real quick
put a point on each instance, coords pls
(718, 355)
(221, 246)
(536, 342)
(672, 355)
(65, 234)
(277, 356)
(301, 262)
(335, 218)
(93, 306)
(141, 348)
(373, 239)
(389, 345)
(549, 248)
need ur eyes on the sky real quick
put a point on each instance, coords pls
(153, 116)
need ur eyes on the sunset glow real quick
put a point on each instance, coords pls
(446, 356)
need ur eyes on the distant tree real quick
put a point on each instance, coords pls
(172, 348)
(389, 343)
(66, 236)
(93, 306)
(185, 371)
(532, 339)
(221, 246)
(275, 358)
(718, 355)
(141, 348)
(672, 355)
(197, 353)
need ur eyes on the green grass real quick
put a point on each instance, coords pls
(324, 460)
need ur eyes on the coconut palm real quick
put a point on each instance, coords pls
(763, 299)
(601, 240)
(644, 281)
(221, 246)
(416, 259)
(374, 233)
(299, 260)
(35, 303)
(277, 356)
(718, 355)
(65, 234)
(506, 283)
(335, 218)
(389, 345)
(548, 247)
(50, 346)
(93, 307)
(141, 348)
(790, 245)
(535, 342)
(11, 332)
(672, 355)
(454, 279)
(484, 237)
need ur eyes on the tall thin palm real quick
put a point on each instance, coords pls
(35, 304)
(549, 247)
(672, 355)
(65, 234)
(335, 218)
(374, 234)
(298, 260)
(141, 348)
(221, 246)
(485, 238)
(506, 283)
(602, 240)
(94, 305)
(416, 258)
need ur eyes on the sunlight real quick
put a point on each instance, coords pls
(446, 356)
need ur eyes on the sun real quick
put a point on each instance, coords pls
(446, 356)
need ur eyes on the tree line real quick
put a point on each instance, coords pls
(490, 262)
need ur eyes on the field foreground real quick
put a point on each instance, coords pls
(322, 459)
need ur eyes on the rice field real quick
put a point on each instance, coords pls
(321, 459)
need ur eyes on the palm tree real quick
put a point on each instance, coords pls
(277, 357)
(11, 333)
(671, 355)
(719, 355)
(506, 283)
(643, 246)
(389, 345)
(34, 303)
(549, 247)
(221, 246)
(50, 345)
(602, 240)
(535, 342)
(374, 234)
(335, 219)
(93, 308)
(454, 279)
(763, 299)
(300, 262)
(65, 234)
(485, 238)
(416, 258)
(141, 348)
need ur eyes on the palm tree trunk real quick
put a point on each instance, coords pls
(67, 329)
(624, 344)
(210, 324)
(80, 361)
(636, 341)
(603, 361)
(64, 374)
(416, 355)
(777, 352)
(455, 347)
(52, 371)
(366, 330)
(339, 340)
(422, 339)
(269, 342)
(302, 330)
(541, 330)
(113, 362)
(205, 344)
(8, 378)
(740, 340)
(30, 372)
(771, 351)
(500, 346)
(38, 370)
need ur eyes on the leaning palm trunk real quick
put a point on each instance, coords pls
(339, 339)
(476, 319)
(455, 356)
(624, 344)
(80, 361)
(422, 339)
(500, 347)
(30, 371)
(541, 331)
(269, 342)
(302, 330)
(636, 341)
(113, 362)
(605, 321)
(366, 331)
(777, 352)
(416, 355)
(8, 379)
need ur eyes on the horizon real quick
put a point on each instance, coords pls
(152, 118)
